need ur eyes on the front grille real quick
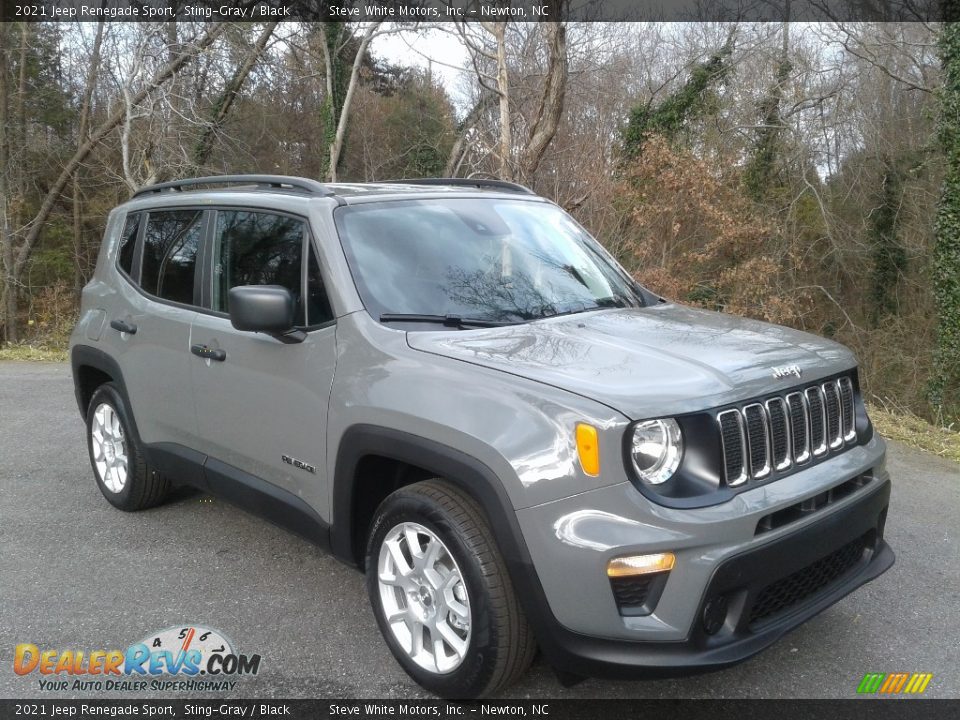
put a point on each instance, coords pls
(773, 435)
(793, 589)
(800, 510)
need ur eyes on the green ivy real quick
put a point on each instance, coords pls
(761, 171)
(945, 384)
(889, 255)
(333, 104)
(691, 101)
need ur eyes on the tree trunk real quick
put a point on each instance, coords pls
(79, 274)
(459, 148)
(221, 108)
(332, 102)
(337, 145)
(550, 111)
(9, 304)
(21, 109)
(503, 88)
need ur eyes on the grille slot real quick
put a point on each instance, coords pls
(779, 433)
(818, 420)
(831, 396)
(783, 594)
(799, 427)
(771, 435)
(734, 447)
(757, 440)
(849, 422)
(797, 511)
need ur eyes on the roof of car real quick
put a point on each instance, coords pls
(301, 187)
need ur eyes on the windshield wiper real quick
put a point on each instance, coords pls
(447, 320)
(605, 303)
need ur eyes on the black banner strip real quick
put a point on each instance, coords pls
(743, 709)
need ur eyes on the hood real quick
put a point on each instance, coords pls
(647, 362)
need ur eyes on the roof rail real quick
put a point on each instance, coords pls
(274, 182)
(480, 183)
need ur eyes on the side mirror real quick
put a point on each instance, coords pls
(267, 309)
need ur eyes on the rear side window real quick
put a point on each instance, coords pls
(128, 244)
(258, 248)
(170, 246)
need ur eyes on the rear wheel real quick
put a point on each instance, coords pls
(119, 464)
(442, 595)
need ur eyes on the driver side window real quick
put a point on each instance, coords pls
(258, 248)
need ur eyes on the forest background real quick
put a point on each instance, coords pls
(802, 173)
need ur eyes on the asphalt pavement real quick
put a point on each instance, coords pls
(76, 573)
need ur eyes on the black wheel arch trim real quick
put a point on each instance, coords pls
(454, 466)
(463, 471)
(86, 356)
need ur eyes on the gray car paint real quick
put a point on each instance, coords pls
(156, 368)
(574, 537)
(248, 405)
(508, 397)
(647, 362)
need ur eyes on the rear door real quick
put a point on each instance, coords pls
(262, 408)
(149, 323)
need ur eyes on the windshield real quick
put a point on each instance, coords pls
(484, 259)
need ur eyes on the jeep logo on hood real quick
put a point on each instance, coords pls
(783, 371)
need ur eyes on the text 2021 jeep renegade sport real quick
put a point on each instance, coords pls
(451, 385)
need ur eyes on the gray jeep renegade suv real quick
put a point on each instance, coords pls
(452, 386)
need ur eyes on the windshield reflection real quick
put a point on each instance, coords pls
(491, 259)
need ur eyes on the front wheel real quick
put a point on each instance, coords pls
(442, 595)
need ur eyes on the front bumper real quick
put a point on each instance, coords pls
(764, 587)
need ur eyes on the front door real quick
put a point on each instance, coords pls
(262, 407)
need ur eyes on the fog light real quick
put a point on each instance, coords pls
(714, 615)
(639, 565)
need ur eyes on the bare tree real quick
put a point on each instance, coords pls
(224, 102)
(343, 117)
(35, 226)
(489, 46)
(6, 239)
(550, 109)
(459, 150)
(84, 123)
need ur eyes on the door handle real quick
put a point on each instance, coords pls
(208, 353)
(124, 327)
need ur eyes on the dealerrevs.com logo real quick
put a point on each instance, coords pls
(180, 658)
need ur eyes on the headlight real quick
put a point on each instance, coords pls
(656, 449)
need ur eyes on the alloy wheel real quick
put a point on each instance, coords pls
(109, 448)
(424, 598)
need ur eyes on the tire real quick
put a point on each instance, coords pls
(116, 455)
(461, 583)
